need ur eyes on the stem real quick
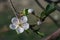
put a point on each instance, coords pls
(13, 8)
(39, 4)
(36, 31)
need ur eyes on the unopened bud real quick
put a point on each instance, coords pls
(39, 22)
(30, 10)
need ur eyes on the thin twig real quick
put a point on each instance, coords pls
(39, 4)
(13, 8)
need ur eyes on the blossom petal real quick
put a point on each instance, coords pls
(19, 30)
(24, 19)
(15, 20)
(12, 26)
(25, 26)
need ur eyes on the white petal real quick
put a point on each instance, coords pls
(24, 19)
(26, 26)
(30, 10)
(39, 22)
(19, 30)
(15, 20)
(12, 26)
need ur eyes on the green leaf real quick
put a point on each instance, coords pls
(49, 9)
(25, 12)
(41, 34)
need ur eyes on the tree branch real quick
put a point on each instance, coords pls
(54, 35)
(49, 15)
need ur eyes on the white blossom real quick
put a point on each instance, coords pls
(19, 24)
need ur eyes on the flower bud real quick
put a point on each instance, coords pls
(39, 22)
(30, 10)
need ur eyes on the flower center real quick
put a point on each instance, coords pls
(20, 24)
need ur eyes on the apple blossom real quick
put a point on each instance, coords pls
(19, 24)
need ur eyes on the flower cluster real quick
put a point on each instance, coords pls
(19, 24)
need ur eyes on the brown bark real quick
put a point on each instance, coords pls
(54, 35)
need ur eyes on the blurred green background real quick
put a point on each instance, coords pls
(6, 13)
